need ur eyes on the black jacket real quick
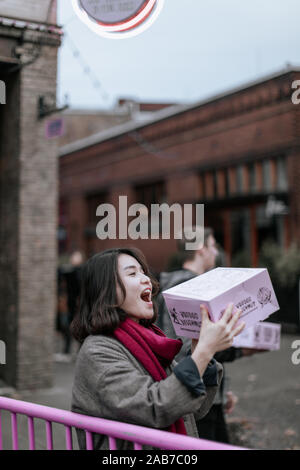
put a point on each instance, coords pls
(166, 281)
(171, 279)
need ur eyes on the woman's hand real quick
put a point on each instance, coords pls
(215, 337)
(219, 336)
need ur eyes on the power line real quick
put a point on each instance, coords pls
(72, 18)
(135, 135)
(86, 68)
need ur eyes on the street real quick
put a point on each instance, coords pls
(267, 415)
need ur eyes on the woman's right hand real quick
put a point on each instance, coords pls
(216, 336)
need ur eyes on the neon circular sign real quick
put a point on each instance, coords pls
(118, 18)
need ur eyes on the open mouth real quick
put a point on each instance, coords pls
(146, 295)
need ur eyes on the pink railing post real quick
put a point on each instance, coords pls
(89, 440)
(69, 440)
(49, 436)
(1, 442)
(137, 446)
(14, 430)
(112, 443)
(31, 433)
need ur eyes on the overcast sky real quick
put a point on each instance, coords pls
(195, 49)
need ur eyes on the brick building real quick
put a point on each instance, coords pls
(81, 123)
(29, 40)
(232, 152)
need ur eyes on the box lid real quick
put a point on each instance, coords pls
(213, 283)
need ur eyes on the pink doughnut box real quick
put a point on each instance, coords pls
(250, 290)
(263, 335)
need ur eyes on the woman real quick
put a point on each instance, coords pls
(125, 369)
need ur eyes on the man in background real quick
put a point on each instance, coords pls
(193, 263)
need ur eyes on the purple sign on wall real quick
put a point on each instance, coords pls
(54, 128)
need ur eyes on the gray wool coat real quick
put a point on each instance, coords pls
(110, 383)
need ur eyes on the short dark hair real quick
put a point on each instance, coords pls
(187, 255)
(99, 312)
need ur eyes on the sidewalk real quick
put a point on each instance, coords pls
(267, 415)
(58, 396)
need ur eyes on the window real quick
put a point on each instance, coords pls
(153, 193)
(201, 186)
(232, 180)
(209, 185)
(221, 184)
(282, 182)
(266, 175)
(215, 183)
(92, 202)
(239, 179)
(251, 175)
(226, 183)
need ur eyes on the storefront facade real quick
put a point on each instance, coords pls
(236, 153)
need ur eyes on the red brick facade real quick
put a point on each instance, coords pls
(230, 153)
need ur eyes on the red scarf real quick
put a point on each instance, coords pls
(153, 350)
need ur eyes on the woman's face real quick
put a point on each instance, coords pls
(137, 303)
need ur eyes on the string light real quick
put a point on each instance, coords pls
(135, 135)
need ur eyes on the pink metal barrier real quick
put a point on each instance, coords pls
(114, 430)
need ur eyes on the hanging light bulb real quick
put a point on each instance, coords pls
(118, 19)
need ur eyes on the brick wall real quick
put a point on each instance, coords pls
(28, 182)
(78, 125)
(37, 232)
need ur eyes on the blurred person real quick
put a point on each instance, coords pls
(190, 264)
(62, 316)
(73, 280)
(193, 263)
(68, 297)
(125, 369)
